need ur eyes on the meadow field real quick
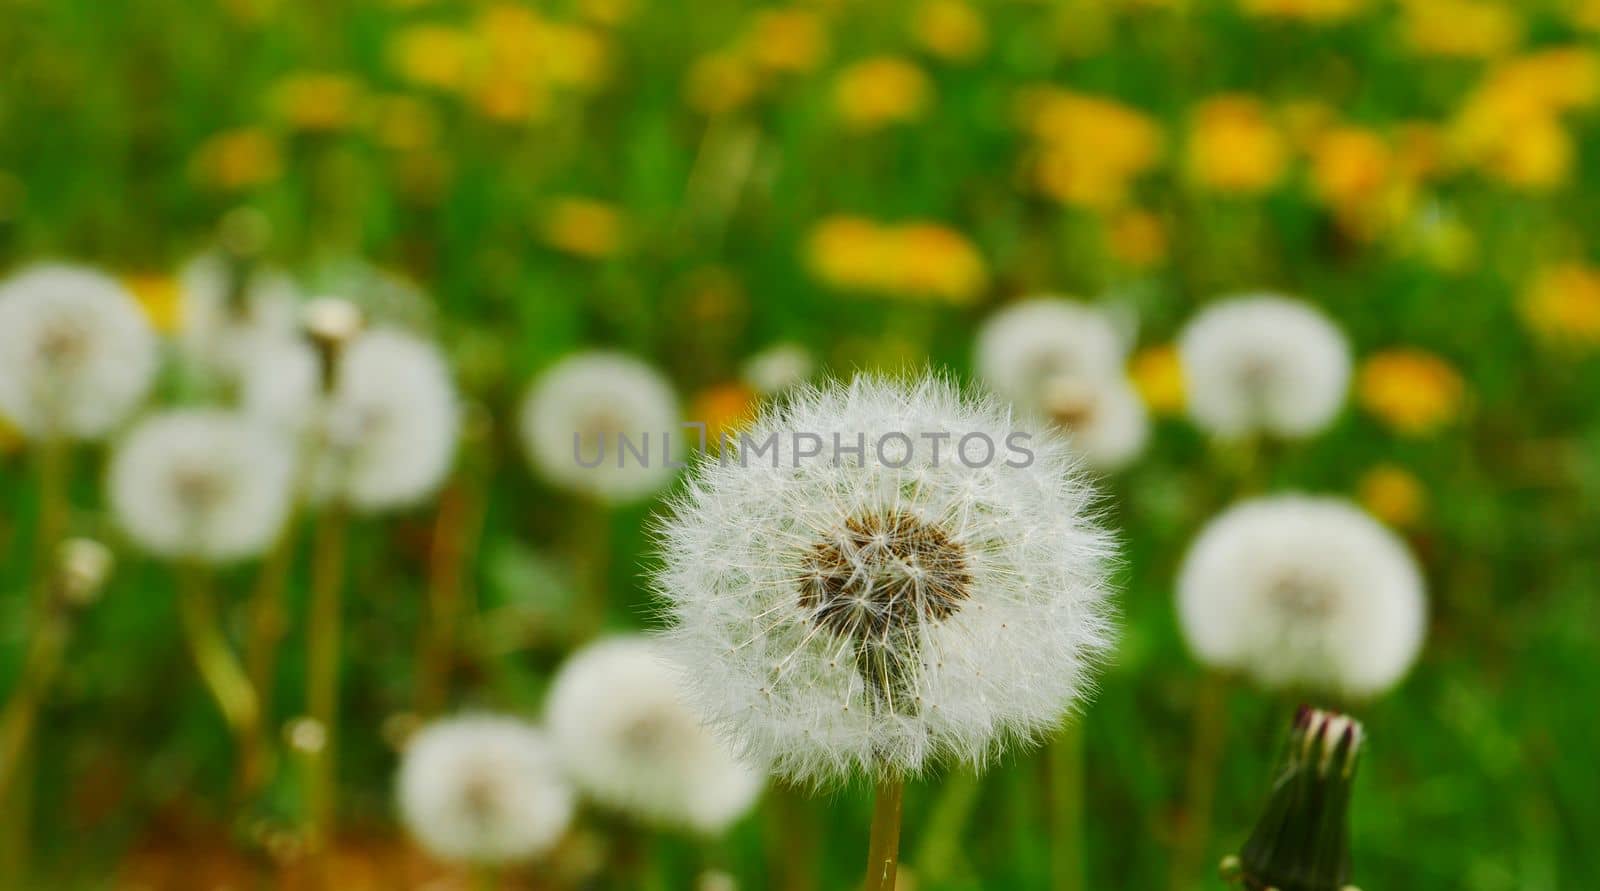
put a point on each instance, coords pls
(734, 203)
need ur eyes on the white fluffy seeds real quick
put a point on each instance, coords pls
(852, 616)
(1303, 592)
(77, 355)
(630, 742)
(483, 790)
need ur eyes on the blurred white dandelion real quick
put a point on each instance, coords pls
(228, 312)
(853, 616)
(630, 742)
(1263, 363)
(578, 413)
(777, 368)
(484, 790)
(77, 355)
(1303, 592)
(201, 484)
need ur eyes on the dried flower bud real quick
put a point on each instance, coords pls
(331, 323)
(82, 568)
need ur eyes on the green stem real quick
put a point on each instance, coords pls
(322, 678)
(220, 669)
(883, 851)
(1064, 761)
(454, 535)
(793, 840)
(1205, 757)
(268, 623)
(39, 669)
(594, 549)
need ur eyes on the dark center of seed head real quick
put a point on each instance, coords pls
(882, 575)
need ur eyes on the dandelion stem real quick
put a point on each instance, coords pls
(454, 534)
(219, 668)
(322, 678)
(39, 669)
(268, 622)
(883, 851)
(1064, 762)
(594, 549)
(1194, 827)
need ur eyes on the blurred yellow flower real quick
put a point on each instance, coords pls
(1419, 150)
(1475, 29)
(916, 259)
(1137, 238)
(1562, 304)
(511, 97)
(1319, 12)
(238, 159)
(720, 82)
(724, 408)
(881, 91)
(434, 56)
(158, 296)
(403, 123)
(610, 13)
(951, 29)
(317, 101)
(1413, 392)
(1233, 147)
(1586, 14)
(846, 252)
(575, 56)
(1158, 375)
(1556, 79)
(583, 227)
(1091, 148)
(1349, 166)
(789, 41)
(1510, 126)
(1393, 494)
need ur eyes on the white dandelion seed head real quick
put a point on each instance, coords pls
(483, 789)
(630, 742)
(1264, 363)
(77, 355)
(202, 484)
(1303, 592)
(600, 397)
(1103, 419)
(385, 436)
(223, 323)
(777, 368)
(834, 619)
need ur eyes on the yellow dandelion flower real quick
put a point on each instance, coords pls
(1233, 147)
(720, 82)
(1316, 12)
(238, 159)
(576, 57)
(434, 56)
(847, 252)
(1137, 238)
(404, 123)
(933, 260)
(1562, 305)
(159, 297)
(317, 101)
(880, 91)
(1558, 79)
(583, 227)
(1352, 172)
(950, 29)
(787, 41)
(724, 409)
(1158, 375)
(610, 13)
(1413, 392)
(1092, 149)
(511, 97)
(1393, 494)
(1471, 29)
(1586, 14)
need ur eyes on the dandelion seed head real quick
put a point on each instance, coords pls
(1303, 592)
(777, 368)
(835, 618)
(224, 321)
(77, 355)
(1264, 363)
(483, 789)
(629, 741)
(201, 484)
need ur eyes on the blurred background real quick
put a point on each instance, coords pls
(862, 184)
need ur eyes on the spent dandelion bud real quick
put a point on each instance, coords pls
(83, 566)
(1303, 592)
(842, 613)
(77, 354)
(228, 310)
(331, 323)
(483, 790)
(630, 742)
(1263, 363)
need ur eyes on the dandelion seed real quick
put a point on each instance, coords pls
(77, 355)
(629, 741)
(1303, 592)
(483, 790)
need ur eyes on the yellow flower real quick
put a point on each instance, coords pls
(724, 408)
(1092, 148)
(1393, 494)
(950, 29)
(847, 252)
(1158, 375)
(1411, 391)
(1586, 14)
(159, 297)
(787, 41)
(1562, 305)
(1233, 147)
(511, 96)
(583, 226)
(1350, 166)
(434, 56)
(936, 261)
(719, 83)
(1137, 238)
(317, 102)
(1419, 150)
(1557, 79)
(880, 91)
(404, 123)
(1510, 126)
(1317, 12)
(238, 159)
(576, 57)
(610, 13)
(1473, 29)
